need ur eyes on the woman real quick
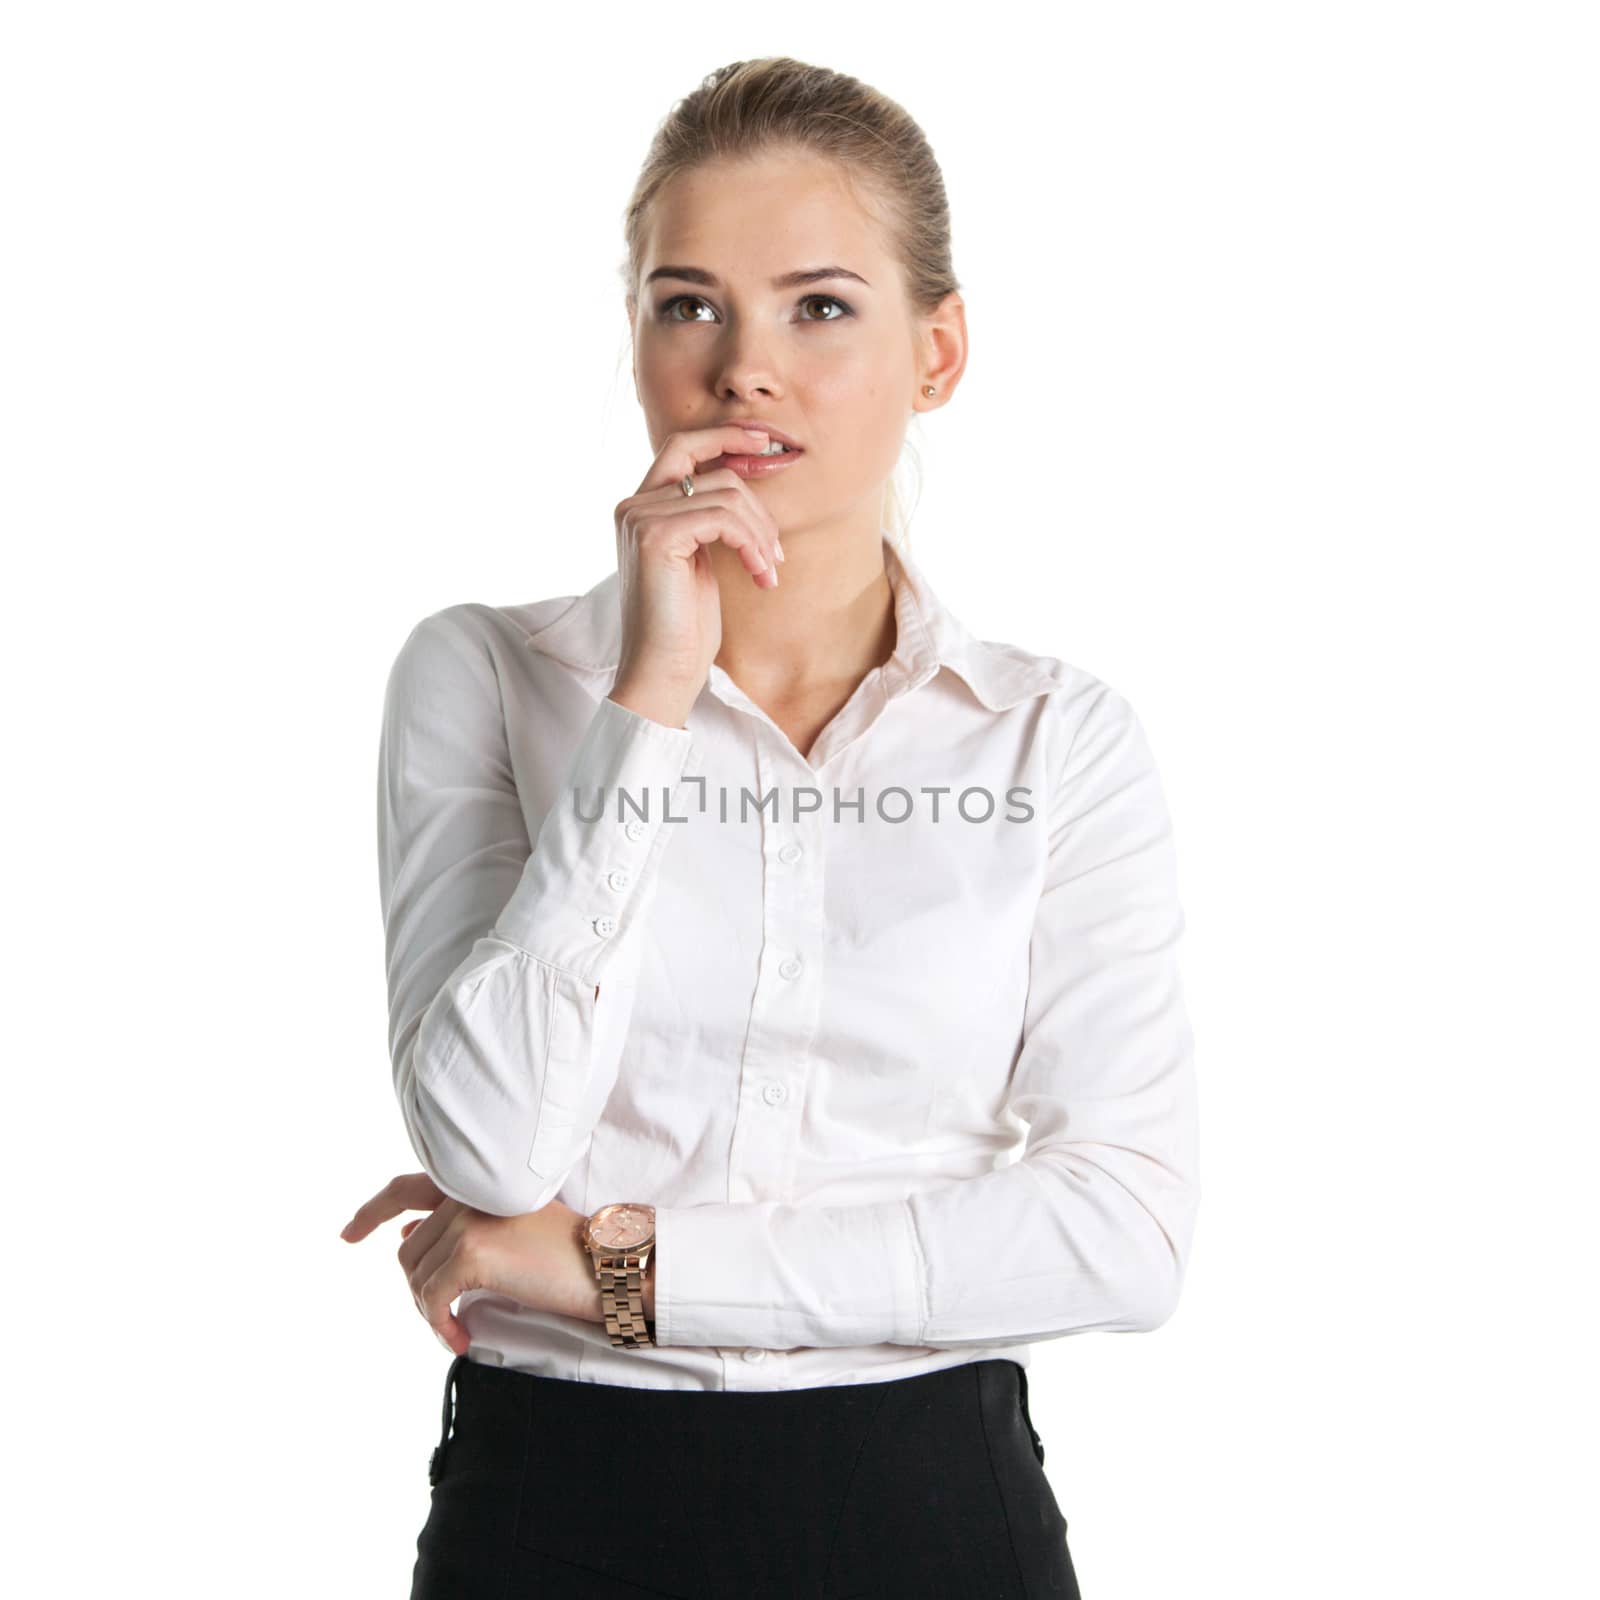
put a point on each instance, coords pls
(740, 929)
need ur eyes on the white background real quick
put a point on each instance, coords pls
(1280, 417)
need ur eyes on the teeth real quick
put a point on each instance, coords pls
(774, 448)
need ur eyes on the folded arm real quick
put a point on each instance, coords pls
(1091, 1227)
(511, 964)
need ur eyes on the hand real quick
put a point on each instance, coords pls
(671, 610)
(536, 1259)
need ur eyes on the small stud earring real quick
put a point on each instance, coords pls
(927, 388)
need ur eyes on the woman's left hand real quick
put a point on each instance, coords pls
(536, 1259)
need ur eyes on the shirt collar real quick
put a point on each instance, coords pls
(587, 637)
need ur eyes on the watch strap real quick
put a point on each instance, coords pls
(622, 1299)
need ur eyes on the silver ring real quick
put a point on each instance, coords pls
(687, 485)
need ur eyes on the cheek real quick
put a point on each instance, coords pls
(656, 363)
(863, 424)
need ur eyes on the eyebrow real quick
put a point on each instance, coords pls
(789, 280)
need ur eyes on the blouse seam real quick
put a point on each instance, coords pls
(552, 966)
(924, 1294)
(1072, 743)
(505, 725)
(544, 1077)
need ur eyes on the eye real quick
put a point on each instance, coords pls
(827, 299)
(667, 308)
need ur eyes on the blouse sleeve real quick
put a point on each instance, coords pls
(511, 966)
(1090, 1229)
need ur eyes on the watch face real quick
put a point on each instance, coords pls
(622, 1227)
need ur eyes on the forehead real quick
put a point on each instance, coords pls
(757, 218)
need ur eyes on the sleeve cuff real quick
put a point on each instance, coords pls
(589, 875)
(774, 1275)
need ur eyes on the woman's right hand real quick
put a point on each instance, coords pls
(671, 611)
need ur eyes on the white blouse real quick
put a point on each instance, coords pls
(892, 1036)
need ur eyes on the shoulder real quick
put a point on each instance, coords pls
(463, 669)
(474, 638)
(1064, 693)
(1087, 724)
(473, 622)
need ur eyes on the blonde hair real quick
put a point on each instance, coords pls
(750, 107)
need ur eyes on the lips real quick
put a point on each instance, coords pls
(749, 466)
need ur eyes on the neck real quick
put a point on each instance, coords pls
(829, 622)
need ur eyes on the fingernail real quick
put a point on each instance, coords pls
(777, 544)
(761, 431)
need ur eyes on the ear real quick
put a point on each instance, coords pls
(943, 349)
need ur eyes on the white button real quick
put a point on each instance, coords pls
(635, 829)
(774, 1094)
(619, 879)
(789, 968)
(755, 1355)
(605, 926)
(790, 852)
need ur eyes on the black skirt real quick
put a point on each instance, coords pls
(925, 1487)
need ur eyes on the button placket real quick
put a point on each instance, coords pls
(783, 1019)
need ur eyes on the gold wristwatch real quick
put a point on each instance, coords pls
(619, 1239)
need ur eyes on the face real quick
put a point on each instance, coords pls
(838, 364)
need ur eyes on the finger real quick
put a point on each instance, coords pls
(734, 526)
(412, 1191)
(681, 453)
(722, 509)
(435, 1285)
(717, 477)
(427, 1231)
(754, 512)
